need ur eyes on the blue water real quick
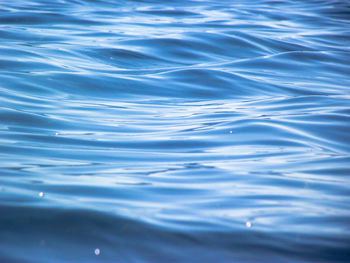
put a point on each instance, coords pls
(174, 131)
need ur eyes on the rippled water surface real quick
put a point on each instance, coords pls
(174, 131)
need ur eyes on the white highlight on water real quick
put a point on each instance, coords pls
(41, 194)
(248, 224)
(97, 251)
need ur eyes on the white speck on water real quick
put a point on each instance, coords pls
(56, 133)
(41, 194)
(248, 224)
(97, 251)
(230, 131)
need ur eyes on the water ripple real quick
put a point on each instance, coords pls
(172, 131)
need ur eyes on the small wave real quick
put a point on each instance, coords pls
(172, 131)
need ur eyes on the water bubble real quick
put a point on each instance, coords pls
(97, 251)
(248, 224)
(41, 194)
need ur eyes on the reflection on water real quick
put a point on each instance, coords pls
(174, 131)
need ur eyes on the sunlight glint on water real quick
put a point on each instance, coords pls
(174, 131)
